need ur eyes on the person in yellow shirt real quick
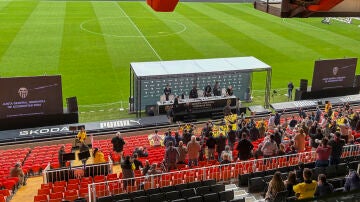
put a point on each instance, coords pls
(307, 188)
(81, 136)
(98, 156)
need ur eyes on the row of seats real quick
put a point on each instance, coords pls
(195, 191)
(176, 196)
(40, 156)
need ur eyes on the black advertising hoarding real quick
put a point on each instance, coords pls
(337, 73)
(26, 96)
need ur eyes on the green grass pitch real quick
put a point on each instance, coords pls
(91, 44)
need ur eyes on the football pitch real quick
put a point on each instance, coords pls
(92, 43)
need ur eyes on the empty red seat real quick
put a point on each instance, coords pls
(99, 178)
(70, 195)
(44, 191)
(40, 198)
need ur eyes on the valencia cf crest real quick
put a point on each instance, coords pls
(23, 92)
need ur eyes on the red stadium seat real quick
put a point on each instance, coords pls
(112, 176)
(57, 195)
(84, 193)
(70, 195)
(99, 178)
(44, 191)
(58, 189)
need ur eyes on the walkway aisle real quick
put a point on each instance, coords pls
(27, 193)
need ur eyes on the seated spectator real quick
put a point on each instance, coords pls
(323, 154)
(276, 185)
(290, 182)
(228, 152)
(352, 181)
(307, 188)
(182, 152)
(226, 159)
(18, 172)
(138, 164)
(98, 156)
(141, 152)
(323, 188)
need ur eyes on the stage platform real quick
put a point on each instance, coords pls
(63, 131)
(312, 104)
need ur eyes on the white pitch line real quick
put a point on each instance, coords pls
(141, 34)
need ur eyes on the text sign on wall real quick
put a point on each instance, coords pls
(25, 96)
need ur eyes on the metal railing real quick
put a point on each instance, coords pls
(52, 175)
(227, 172)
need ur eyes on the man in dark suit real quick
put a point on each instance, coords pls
(193, 93)
(207, 91)
(216, 89)
(167, 92)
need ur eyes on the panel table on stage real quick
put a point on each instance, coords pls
(198, 104)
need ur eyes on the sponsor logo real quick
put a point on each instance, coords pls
(117, 124)
(335, 70)
(42, 131)
(23, 92)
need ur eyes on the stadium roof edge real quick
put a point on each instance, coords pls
(198, 66)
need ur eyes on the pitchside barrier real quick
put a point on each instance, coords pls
(228, 172)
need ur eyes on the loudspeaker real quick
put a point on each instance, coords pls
(72, 105)
(357, 81)
(83, 155)
(303, 84)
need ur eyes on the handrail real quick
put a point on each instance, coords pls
(64, 173)
(218, 171)
(47, 168)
